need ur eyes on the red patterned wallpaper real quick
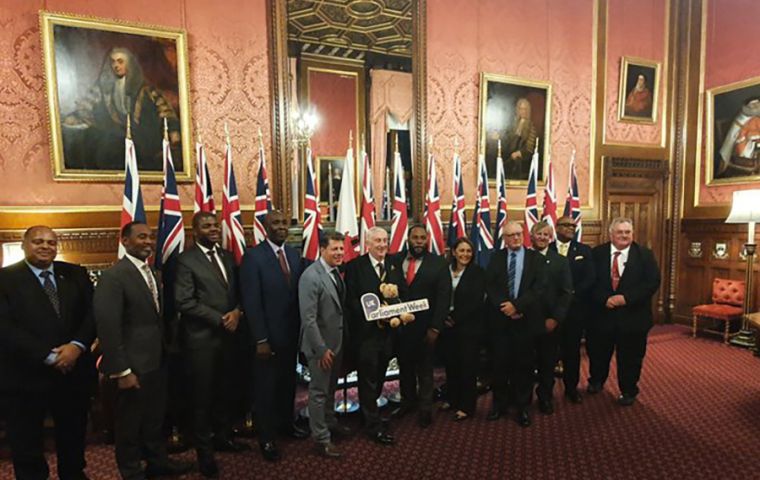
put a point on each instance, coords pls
(229, 81)
(634, 28)
(546, 41)
(731, 28)
(334, 99)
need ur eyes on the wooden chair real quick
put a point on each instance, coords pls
(728, 305)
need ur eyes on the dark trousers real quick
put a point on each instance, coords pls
(275, 392)
(139, 425)
(415, 361)
(460, 356)
(571, 333)
(513, 362)
(210, 372)
(373, 356)
(629, 348)
(547, 352)
(25, 414)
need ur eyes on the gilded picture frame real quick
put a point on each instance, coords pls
(639, 90)
(98, 72)
(733, 117)
(516, 111)
(329, 167)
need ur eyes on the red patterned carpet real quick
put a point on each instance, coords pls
(698, 416)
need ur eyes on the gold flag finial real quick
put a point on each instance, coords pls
(129, 127)
(226, 133)
(395, 142)
(456, 145)
(166, 130)
(350, 138)
(200, 134)
(535, 150)
(364, 147)
(498, 149)
(430, 141)
(261, 139)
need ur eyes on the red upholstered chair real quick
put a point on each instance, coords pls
(728, 305)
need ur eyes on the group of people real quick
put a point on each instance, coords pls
(532, 304)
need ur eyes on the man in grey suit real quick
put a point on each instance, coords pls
(128, 314)
(207, 297)
(321, 298)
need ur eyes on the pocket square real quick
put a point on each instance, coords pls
(579, 257)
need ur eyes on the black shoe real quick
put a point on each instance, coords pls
(625, 400)
(270, 452)
(594, 388)
(294, 431)
(208, 467)
(494, 414)
(383, 438)
(221, 445)
(340, 431)
(546, 407)
(574, 396)
(523, 418)
(424, 419)
(170, 468)
(402, 411)
(328, 450)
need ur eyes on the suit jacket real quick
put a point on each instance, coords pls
(130, 329)
(321, 312)
(202, 297)
(529, 297)
(30, 327)
(361, 278)
(559, 286)
(469, 301)
(584, 276)
(433, 282)
(270, 303)
(639, 282)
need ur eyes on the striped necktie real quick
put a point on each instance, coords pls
(512, 274)
(49, 287)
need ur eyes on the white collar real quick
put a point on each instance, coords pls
(140, 264)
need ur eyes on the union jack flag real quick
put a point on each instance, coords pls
(433, 223)
(263, 203)
(385, 207)
(204, 196)
(501, 204)
(531, 206)
(132, 207)
(550, 201)
(481, 225)
(400, 215)
(171, 232)
(233, 235)
(312, 222)
(368, 202)
(457, 222)
(573, 201)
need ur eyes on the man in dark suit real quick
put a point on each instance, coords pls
(46, 329)
(128, 315)
(207, 297)
(571, 330)
(321, 296)
(426, 276)
(627, 278)
(514, 286)
(371, 340)
(269, 282)
(556, 300)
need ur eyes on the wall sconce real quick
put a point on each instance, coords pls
(305, 123)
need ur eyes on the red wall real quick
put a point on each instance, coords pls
(334, 98)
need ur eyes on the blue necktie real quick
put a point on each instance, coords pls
(511, 274)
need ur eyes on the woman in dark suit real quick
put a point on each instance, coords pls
(463, 327)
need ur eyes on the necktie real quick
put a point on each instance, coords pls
(338, 282)
(512, 274)
(410, 271)
(151, 285)
(381, 271)
(284, 265)
(563, 248)
(212, 256)
(615, 270)
(51, 291)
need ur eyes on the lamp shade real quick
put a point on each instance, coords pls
(745, 207)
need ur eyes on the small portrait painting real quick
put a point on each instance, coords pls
(330, 179)
(514, 116)
(639, 81)
(733, 132)
(102, 75)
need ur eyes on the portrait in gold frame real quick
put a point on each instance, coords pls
(98, 72)
(639, 90)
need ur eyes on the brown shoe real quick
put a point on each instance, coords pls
(328, 450)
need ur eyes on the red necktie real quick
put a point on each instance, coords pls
(410, 270)
(284, 265)
(615, 270)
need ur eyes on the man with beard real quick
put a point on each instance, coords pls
(571, 331)
(207, 298)
(128, 313)
(371, 340)
(426, 277)
(269, 278)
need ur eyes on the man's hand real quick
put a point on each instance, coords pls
(326, 362)
(128, 381)
(230, 320)
(517, 155)
(508, 309)
(68, 353)
(431, 336)
(263, 351)
(551, 324)
(615, 301)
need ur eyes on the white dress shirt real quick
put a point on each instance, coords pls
(622, 258)
(217, 258)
